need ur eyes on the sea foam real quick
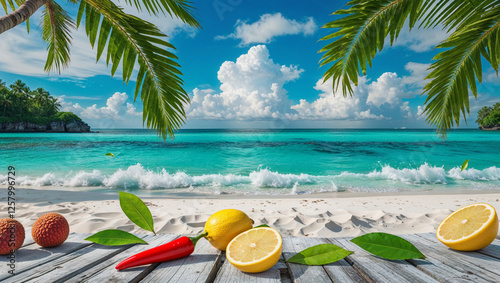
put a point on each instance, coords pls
(488, 174)
(425, 174)
(138, 177)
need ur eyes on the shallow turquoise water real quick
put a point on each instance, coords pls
(253, 161)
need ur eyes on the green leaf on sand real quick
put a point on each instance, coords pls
(113, 237)
(465, 164)
(320, 255)
(109, 154)
(388, 246)
(263, 225)
(137, 211)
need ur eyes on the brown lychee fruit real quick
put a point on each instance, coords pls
(11, 235)
(50, 230)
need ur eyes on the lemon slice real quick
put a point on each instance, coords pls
(255, 250)
(470, 228)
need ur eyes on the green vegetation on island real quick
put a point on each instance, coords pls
(20, 104)
(488, 117)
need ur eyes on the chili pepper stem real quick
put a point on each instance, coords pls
(195, 239)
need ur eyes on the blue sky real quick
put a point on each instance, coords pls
(254, 64)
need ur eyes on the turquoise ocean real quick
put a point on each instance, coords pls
(255, 161)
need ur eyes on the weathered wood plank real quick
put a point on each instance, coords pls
(340, 271)
(195, 268)
(437, 269)
(33, 255)
(80, 261)
(492, 250)
(68, 265)
(469, 262)
(135, 274)
(379, 270)
(344, 272)
(229, 274)
(284, 271)
(110, 263)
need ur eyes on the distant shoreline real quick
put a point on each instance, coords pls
(494, 128)
(246, 130)
(72, 126)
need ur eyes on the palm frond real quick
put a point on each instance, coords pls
(361, 35)
(458, 66)
(129, 40)
(453, 13)
(182, 9)
(56, 31)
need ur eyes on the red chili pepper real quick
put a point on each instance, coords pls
(175, 249)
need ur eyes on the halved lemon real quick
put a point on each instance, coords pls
(255, 250)
(470, 228)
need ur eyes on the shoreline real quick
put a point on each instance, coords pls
(313, 215)
(177, 194)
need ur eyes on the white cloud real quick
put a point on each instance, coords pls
(367, 115)
(420, 40)
(131, 110)
(116, 112)
(25, 54)
(491, 76)
(418, 72)
(420, 112)
(270, 26)
(387, 89)
(405, 107)
(77, 97)
(333, 106)
(251, 88)
(390, 89)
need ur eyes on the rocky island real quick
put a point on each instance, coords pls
(25, 110)
(492, 128)
(74, 125)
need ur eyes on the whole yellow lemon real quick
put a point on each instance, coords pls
(224, 225)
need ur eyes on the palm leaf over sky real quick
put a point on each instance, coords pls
(127, 40)
(365, 26)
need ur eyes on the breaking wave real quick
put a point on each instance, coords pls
(138, 177)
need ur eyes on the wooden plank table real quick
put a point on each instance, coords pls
(78, 260)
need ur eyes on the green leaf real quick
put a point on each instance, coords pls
(388, 246)
(136, 211)
(113, 237)
(263, 225)
(109, 154)
(465, 164)
(320, 255)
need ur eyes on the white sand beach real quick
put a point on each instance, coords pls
(312, 215)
